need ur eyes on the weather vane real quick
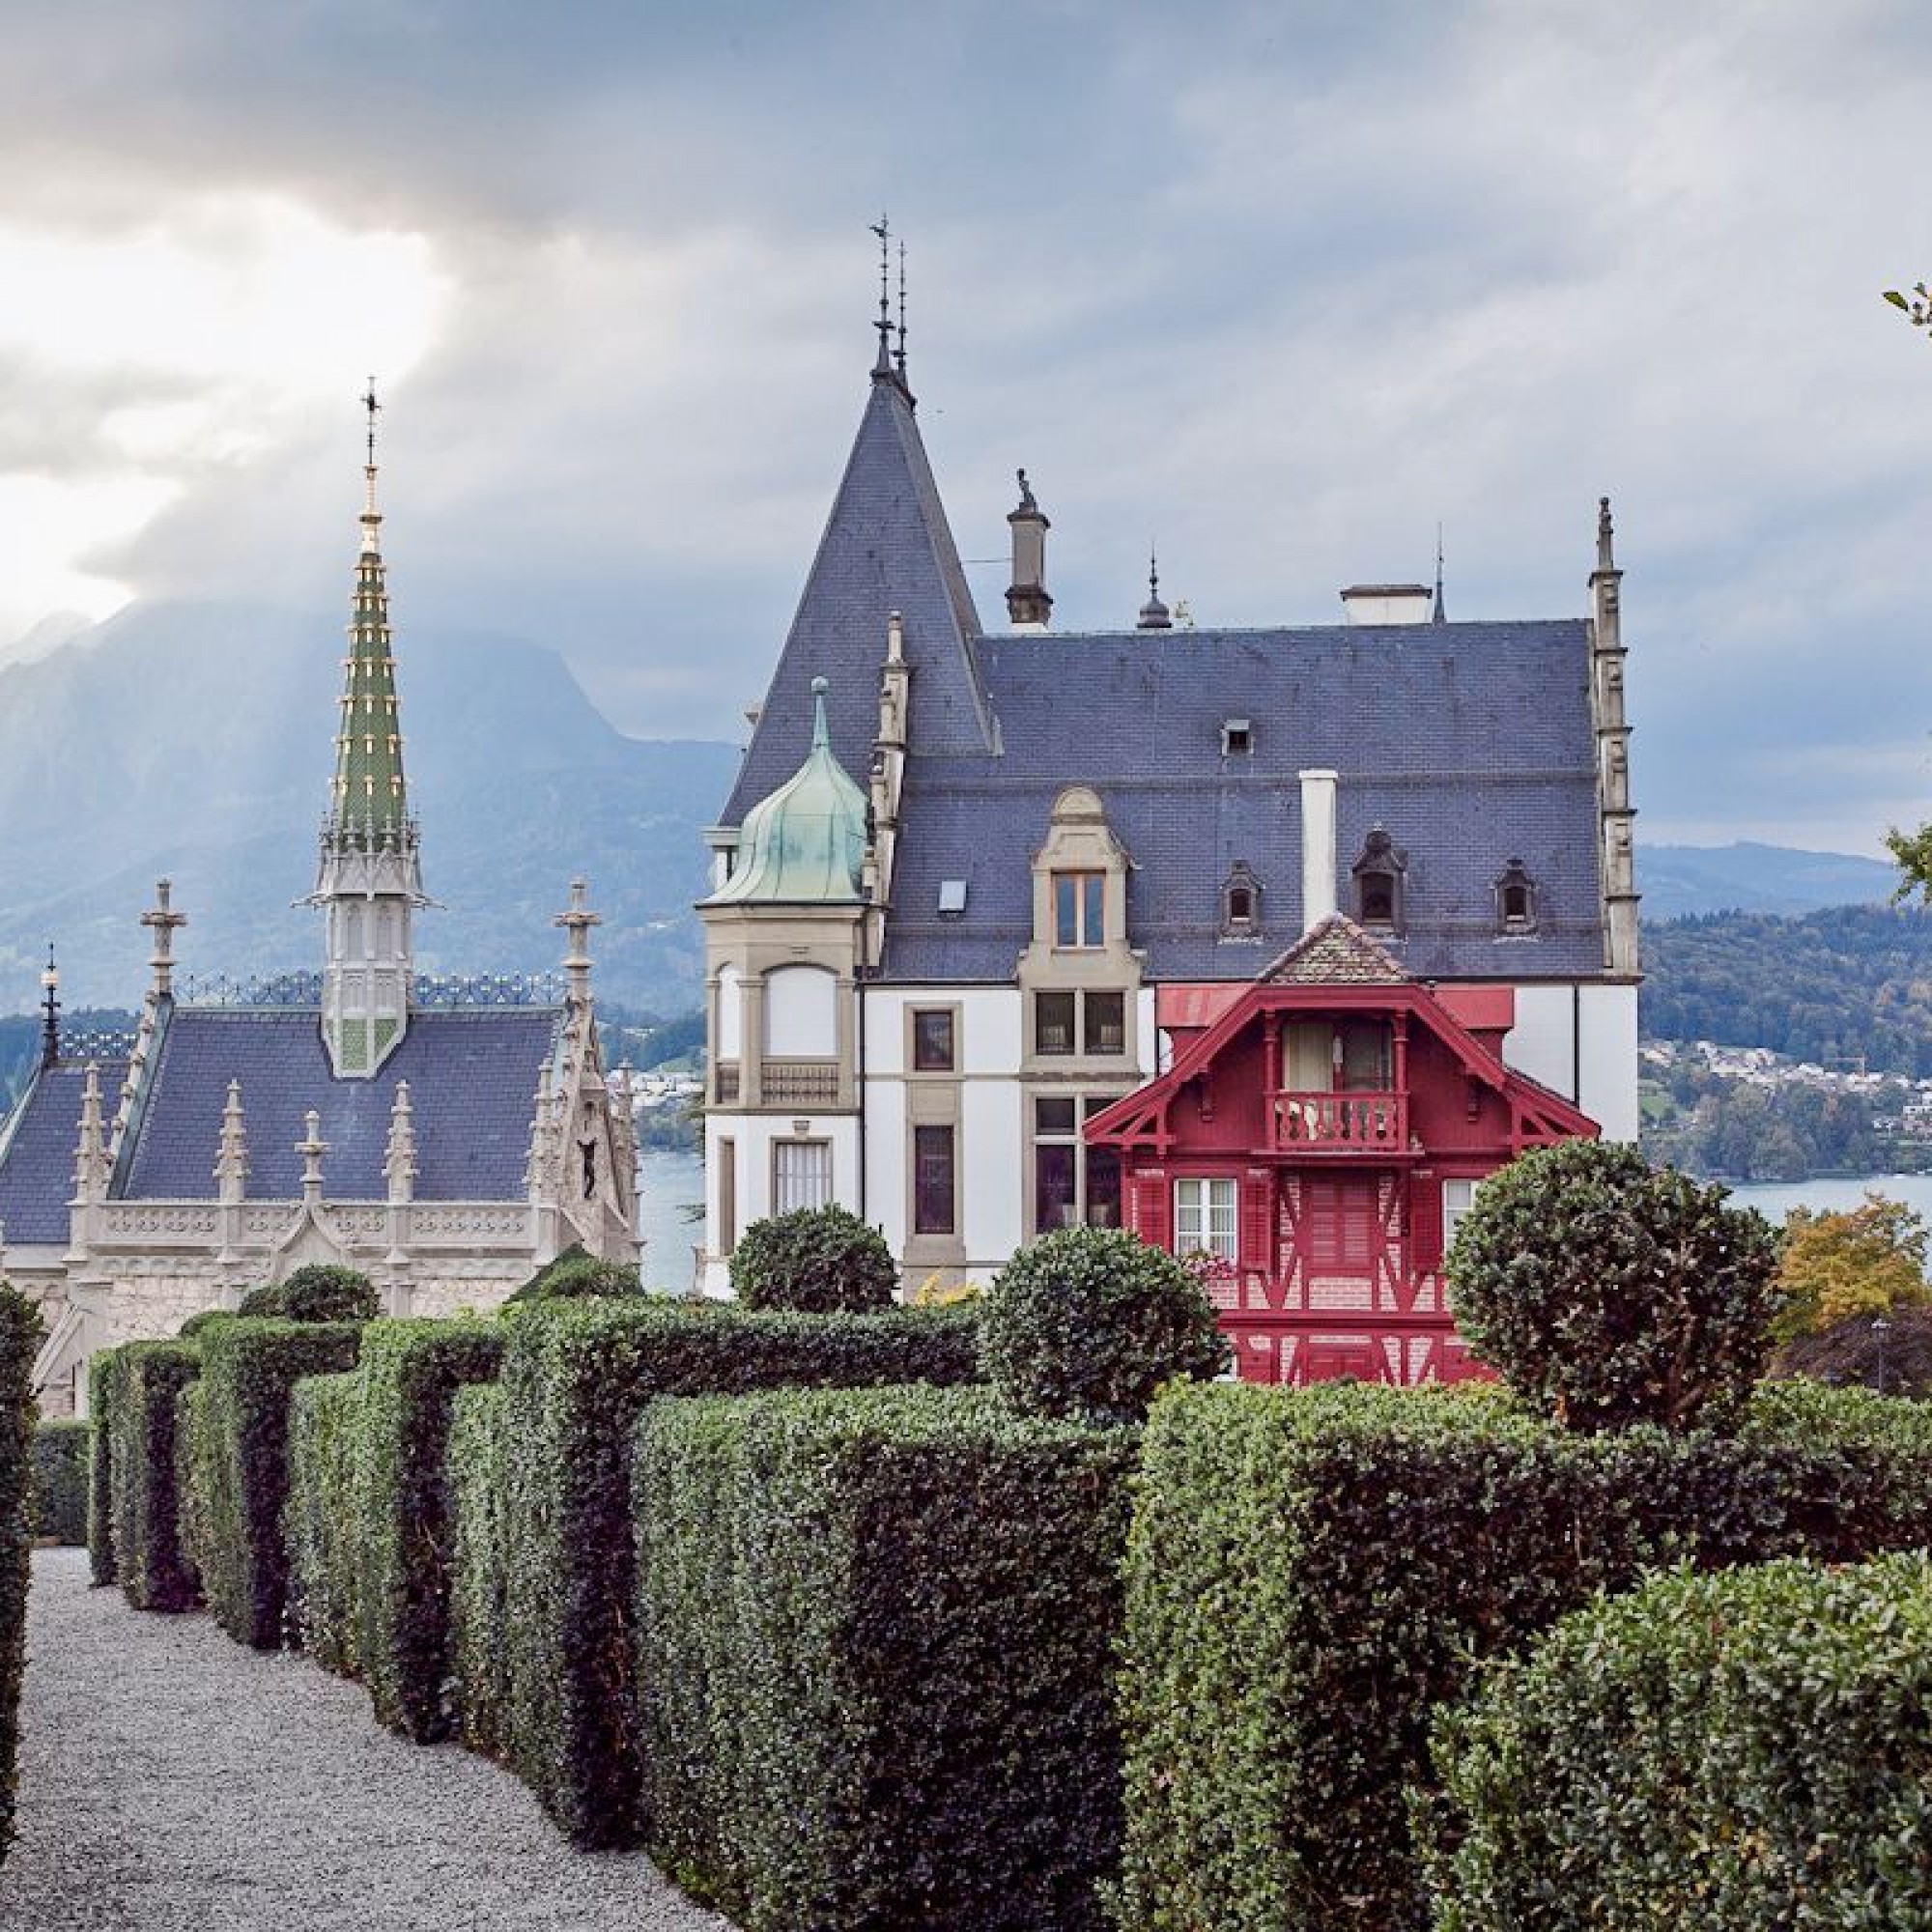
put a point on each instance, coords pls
(370, 404)
(883, 229)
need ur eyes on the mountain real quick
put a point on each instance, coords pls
(1745, 877)
(195, 741)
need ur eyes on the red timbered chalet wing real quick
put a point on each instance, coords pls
(1322, 1130)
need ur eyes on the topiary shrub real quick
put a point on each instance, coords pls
(814, 1261)
(60, 1480)
(104, 1377)
(264, 1303)
(322, 1519)
(20, 1338)
(148, 1561)
(1729, 1752)
(480, 1642)
(199, 1324)
(1607, 1292)
(1087, 1323)
(575, 1274)
(318, 1293)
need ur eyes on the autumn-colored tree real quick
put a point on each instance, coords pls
(1864, 1260)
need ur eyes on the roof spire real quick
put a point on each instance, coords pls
(899, 354)
(1605, 535)
(882, 364)
(1437, 615)
(821, 737)
(372, 517)
(1155, 614)
(50, 1008)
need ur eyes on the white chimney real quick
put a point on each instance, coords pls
(1387, 604)
(1317, 848)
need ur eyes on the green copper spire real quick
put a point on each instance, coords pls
(806, 843)
(368, 806)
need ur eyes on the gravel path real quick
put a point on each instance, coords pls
(173, 1781)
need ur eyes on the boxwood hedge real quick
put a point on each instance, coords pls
(477, 1459)
(104, 1385)
(409, 1372)
(153, 1572)
(874, 1669)
(1730, 1753)
(1310, 1572)
(20, 1336)
(250, 1368)
(325, 1527)
(192, 1518)
(575, 1374)
(60, 1480)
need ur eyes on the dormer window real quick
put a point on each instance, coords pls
(1516, 899)
(1237, 738)
(1240, 902)
(1079, 903)
(1377, 876)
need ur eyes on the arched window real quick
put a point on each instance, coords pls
(1516, 898)
(1377, 876)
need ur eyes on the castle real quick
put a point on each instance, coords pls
(446, 1137)
(1267, 944)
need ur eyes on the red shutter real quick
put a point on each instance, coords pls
(1155, 1222)
(1425, 1224)
(1256, 1223)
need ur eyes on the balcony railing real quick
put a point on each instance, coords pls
(800, 1083)
(1341, 1122)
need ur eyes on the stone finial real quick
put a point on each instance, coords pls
(399, 1157)
(895, 639)
(576, 921)
(1606, 535)
(536, 1165)
(231, 1160)
(164, 921)
(312, 1148)
(1028, 605)
(90, 1154)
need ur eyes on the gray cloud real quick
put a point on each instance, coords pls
(1278, 287)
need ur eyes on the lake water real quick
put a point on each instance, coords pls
(1773, 1199)
(666, 1185)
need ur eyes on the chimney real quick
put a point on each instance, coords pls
(1317, 848)
(1028, 603)
(1387, 604)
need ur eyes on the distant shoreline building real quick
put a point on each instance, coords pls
(444, 1136)
(1270, 943)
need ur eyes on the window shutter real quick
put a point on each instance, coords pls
(1425, 1223)
(1258, 1220)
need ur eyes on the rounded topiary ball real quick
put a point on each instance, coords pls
(1088, 1323)
(578, 1276)
(1609, 1292)
(320, 1293)
(266, 1300)
(815, 1261)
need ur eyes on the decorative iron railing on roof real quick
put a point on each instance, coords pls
(440, 990)
(101, 1044)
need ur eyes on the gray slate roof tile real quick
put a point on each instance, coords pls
(37, 1155)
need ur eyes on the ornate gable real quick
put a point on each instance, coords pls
(1338, 951)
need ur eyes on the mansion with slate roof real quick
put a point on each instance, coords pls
(1270, 943)
(445, 1137)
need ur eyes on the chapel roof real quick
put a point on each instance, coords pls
(36, 1144)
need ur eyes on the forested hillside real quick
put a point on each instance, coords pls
(1846, 983)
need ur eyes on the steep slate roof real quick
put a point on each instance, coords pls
(37, 1146)
(473, 1077)
(886, 547)
(1471, 743)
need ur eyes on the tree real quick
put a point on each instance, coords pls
(1866, 1261)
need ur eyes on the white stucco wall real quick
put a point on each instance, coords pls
(1581, 1042)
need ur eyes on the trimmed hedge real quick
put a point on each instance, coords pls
(875, 1639)
(191, 1517)
(479, 1638)
(411, 1372)
(1310, 1572)
(103, 1388)
(21, 1337)
(149, 1561)
(325, 1527)
(814, 1261)
(249, 1370)
(1730, 1753)
(575, 1374)
(60, 1480)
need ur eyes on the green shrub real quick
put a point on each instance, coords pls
(814, 1261)
(410, 1373)
(320, 1293)
(264, 1304)
(575, 1374)
(103, 1387)
(199, 1324)
(480, 1640)
(192, 1515)
(148, 1561)
(1609, 1292)
(323, 1522)
(875, 1657)
(1727, 1752)
(20, 1338)
(1310, 1572)
(60, 1480)
(242, 1473)
(1087, 1323)
(578, 1272)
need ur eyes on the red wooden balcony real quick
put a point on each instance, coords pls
(1345, 1122)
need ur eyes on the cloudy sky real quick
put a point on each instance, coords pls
(1277, 286)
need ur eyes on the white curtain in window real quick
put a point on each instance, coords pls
(801, 1174)
(801, 1014)
(1204, 1217)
